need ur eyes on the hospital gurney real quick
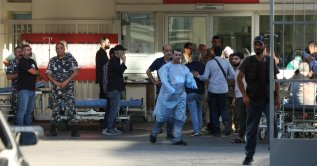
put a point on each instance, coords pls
(5, 100)
(302, 120)
(280, 125)
(92, 105)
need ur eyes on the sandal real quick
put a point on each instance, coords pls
(238, 140)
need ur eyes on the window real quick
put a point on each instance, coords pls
(289, 37)
(182, 29)
(235, 31)
(138, 33)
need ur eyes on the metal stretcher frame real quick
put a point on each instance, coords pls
(303, 119)
(5, 102)
(91, 114)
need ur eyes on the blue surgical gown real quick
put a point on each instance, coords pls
(171, 101)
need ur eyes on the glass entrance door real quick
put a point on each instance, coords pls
(234, 30)
(182, 29)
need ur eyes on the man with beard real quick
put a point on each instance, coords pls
(255, 69)
(101, 60)
(239, 111)
(171, 101)
(27, 73)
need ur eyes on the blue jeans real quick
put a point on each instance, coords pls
(194, 105)
(178, 128)
(114, 107)
(26, 102)
(217, 103)
(254, 112)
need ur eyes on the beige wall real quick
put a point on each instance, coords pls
(139, 1)
(73, 9)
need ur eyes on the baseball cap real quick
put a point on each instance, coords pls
(259, 39)
(120, 47)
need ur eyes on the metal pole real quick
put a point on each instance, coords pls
(49, 46)
(272, 87)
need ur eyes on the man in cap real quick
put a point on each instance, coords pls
(256, 70)
(114, 87)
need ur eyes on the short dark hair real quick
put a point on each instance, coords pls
(24, 46)
(218, 51)
(103, 39)
(216, 37)
(187, 44)
(17, 47)
(238, 54)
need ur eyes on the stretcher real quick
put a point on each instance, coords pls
(302, 121)
(87, 110)
(280, 125)
(5, 101)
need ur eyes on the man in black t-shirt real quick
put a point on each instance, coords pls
(27, 72)
(255, 69)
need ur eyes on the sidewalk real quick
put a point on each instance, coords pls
(134, 149)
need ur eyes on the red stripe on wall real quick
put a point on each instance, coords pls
(208, 1)
(69, 38)
(86, 73)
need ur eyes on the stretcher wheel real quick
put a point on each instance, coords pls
(126, 125)
(262, 133)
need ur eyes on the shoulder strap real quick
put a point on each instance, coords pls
(223, 72)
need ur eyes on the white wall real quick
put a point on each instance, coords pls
(73, 9)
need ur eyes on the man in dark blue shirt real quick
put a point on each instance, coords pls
(195, 96)
(156, 65)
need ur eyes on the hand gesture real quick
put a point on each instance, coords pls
(246, 100)
(195, 73)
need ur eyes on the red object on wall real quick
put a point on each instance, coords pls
(84, 73)
(208, 1)
(70, 38)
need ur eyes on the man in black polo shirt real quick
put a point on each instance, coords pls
(27, 72)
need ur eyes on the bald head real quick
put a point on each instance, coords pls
(303, 68)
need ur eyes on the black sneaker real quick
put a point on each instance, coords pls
(180, 143)
(247, 161)
(169, 137)
(152, 139)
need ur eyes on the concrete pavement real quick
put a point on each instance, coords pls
(134, 149)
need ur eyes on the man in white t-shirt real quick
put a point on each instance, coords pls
(240, 108)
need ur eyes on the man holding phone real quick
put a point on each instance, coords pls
(115, 86)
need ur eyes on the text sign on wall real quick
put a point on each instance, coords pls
(82, 46)
(208, 1)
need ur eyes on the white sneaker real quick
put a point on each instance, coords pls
(118, 131)
(104, 131)
(195, 134)
(113, 132)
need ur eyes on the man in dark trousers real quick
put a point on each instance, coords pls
(156, 65)
(256, 71)
(101, 60)
(115, 86)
